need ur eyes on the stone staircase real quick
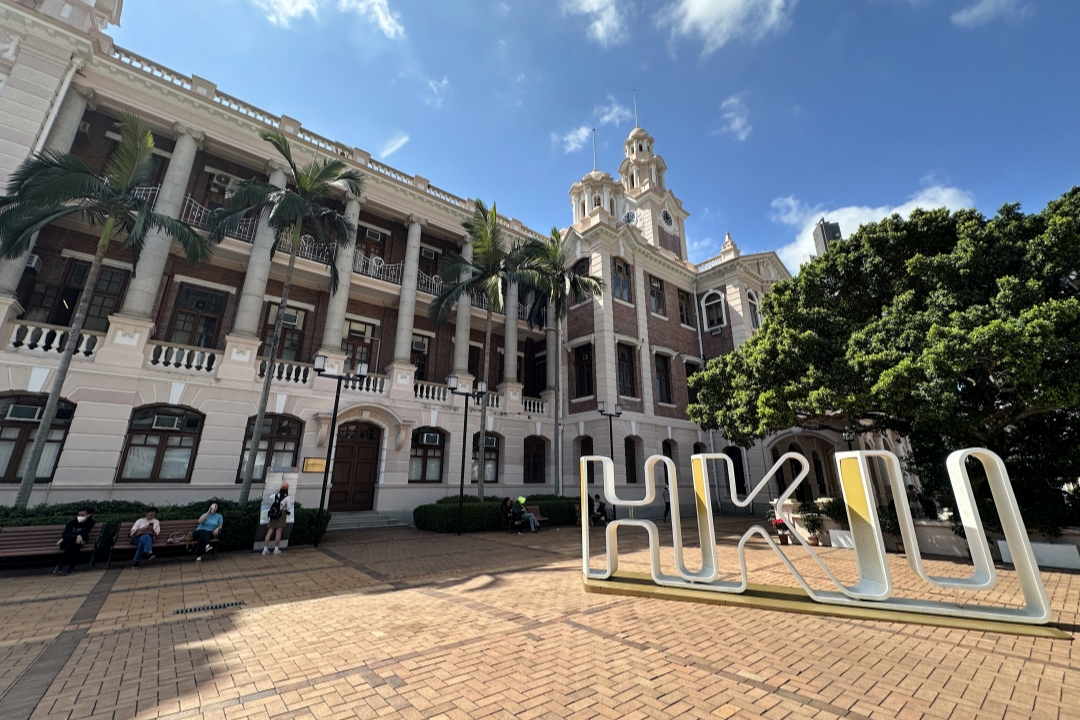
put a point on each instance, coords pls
(365, 520)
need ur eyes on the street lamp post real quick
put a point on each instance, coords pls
(849, 435)
(320, 369)
(481, 388)
(601, 406)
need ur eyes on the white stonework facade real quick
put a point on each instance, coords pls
(168, 372)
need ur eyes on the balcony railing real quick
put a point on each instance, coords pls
(200, 218)
(494, 400)
(534, 406)
(369, 384)
(289, 372)
(50, 339)
(149, 193)
(182, 357)
(430, 284)
(431, 392)
(376, 267)
(312, 249)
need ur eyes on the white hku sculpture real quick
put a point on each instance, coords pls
(874, 588)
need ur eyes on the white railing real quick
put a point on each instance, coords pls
(430, 284)
(149, 193)
(201, 218)
(182, 357)
(312, 249)
(710, 263)
(494, 400)
(445, 196)
(291, 372)
(435, 392)
(243, 108)
(324, 143)
(534, 406)
(371, 384)
(375, 267)
(50, 339)
(140, 63)
(523, 311)
(389, 172)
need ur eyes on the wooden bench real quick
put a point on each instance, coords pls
(577, 517)
(123, 544)
(541, 521)
(40, 540)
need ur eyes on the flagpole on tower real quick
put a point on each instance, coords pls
(635, 109)
(594, 149)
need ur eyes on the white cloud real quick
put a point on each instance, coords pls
(377, 12)
(736, 118)
(613, 114)
(438, 92)
(573, 140)
(983, 11)
(393, 145)
(800, 215)
(607, 24)
(719, 21)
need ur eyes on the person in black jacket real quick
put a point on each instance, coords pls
(76, 534)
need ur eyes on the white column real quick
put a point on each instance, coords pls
(61, 137)
(552, 355)
(141, 294)
(510, 335)
(641, 304)
(407, 306)
(464, 323)
(249, 311)
(339, 301)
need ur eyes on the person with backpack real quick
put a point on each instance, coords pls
(281, 507)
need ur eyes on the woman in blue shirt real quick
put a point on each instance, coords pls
(209, 528)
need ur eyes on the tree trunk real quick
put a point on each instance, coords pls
(558, 408)
(271, 360)
(70, 343)
(480, 473)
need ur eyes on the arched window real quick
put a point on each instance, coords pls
(781, 483)
(534, 470)
(620, 279)
(581, 267)
(19, 421)
(426, 455)
(630, 457)
(596, 201)
(715, 313)
(668, 449)
(491, 457)
(587, 449)
(611, 205)
(739, 468)
(161, 444)
(754, 309)
(280, 437)
(819, 473)
(803, 492)
(699, 448)
(582, 209)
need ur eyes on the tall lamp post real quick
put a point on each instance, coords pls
(601, 406)
(849, 435)
(481, 388)
(320, 370)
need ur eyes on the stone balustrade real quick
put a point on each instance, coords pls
(181, 357)
(430, 392)
(50, 339)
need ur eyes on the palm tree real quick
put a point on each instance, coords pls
(491, 271)
(290, 212)
(50, 186)
(556, 287)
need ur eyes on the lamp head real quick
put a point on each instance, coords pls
(452, 383)
(600, 405)
(618, 409)
(320, 364)
(362, 370)
(481, 387)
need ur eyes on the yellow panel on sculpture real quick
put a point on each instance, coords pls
(854, 493)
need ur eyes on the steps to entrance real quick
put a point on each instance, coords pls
(364, 521)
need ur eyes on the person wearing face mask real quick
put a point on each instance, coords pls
(76, 534)
(209, 528)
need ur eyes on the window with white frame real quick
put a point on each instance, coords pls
(754, 308)
(715, 312)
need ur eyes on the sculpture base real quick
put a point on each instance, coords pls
(794, 600)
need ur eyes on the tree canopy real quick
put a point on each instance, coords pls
(953, 328)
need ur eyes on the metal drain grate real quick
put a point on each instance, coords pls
(204, 608)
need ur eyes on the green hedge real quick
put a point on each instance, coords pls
(453, 499)
(241, 522)
(477, 517)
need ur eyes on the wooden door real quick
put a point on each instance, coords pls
(356, 467)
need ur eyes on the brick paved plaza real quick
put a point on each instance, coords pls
(401, 623)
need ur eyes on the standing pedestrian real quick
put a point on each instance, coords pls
(76, 534)
(281, 507)
(667, 501)
(142, 536)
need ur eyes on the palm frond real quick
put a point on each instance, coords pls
(132, 160)
(53, 177)
(197, 248)
(281, 144)
(19, 229)
(252, 193)
(442, 305)
(320, 173)
(289, 208)
(226, 221)
(353, 181)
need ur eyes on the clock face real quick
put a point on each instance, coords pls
(629, 218)
(666, 217)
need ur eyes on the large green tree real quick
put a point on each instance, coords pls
(953, 328)
(52, 186)
(300, 209)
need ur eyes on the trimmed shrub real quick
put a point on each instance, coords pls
(478, 517)
(453, 499)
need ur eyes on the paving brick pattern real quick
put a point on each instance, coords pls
(400, 623)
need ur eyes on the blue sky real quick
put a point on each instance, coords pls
(769, 113)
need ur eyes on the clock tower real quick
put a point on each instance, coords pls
(648, 203)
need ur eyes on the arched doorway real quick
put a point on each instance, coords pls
(356, 467)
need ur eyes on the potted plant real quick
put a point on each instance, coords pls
(781, 530)
(813, 523)
(891, 526)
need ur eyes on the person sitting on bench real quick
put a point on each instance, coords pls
(143, 533)
(76, 533)
(599, 510)
(209, 528)
(519, 515)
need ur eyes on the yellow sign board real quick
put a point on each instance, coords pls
(312, 464)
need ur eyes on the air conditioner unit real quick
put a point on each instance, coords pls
(33, 263)
(431, 439)
(289, 318)
(166, 422)
(23, 412)
(373, 235)
(84, 127)
(222, 179)
(427, 254)
(419, 345)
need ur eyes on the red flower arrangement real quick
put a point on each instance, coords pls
(779, 526)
